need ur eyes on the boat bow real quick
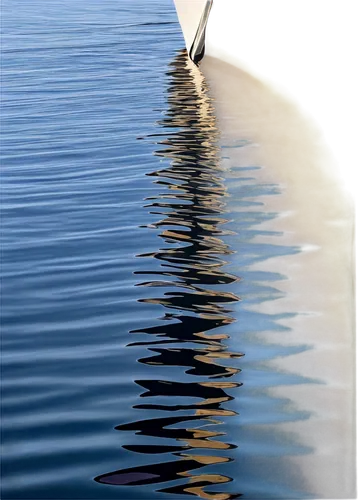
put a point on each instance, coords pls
(193, 18)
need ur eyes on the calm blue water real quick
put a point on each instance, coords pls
(129, 360)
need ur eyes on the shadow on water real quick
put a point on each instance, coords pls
(192, 276)
(192, 263)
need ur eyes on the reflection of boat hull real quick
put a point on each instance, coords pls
(317, 215)
(310, 213)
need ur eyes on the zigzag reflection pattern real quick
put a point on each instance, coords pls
(192, 211)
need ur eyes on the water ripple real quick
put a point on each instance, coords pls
(120, 298)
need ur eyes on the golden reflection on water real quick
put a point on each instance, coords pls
(191, 217)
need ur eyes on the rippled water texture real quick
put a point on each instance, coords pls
(130, 368)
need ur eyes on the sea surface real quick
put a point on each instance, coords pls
(131, 366)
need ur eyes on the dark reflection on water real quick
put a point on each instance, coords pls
(192, 211)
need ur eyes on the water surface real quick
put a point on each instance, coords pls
(130, 363)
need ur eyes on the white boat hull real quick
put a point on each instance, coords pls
(193, 17)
